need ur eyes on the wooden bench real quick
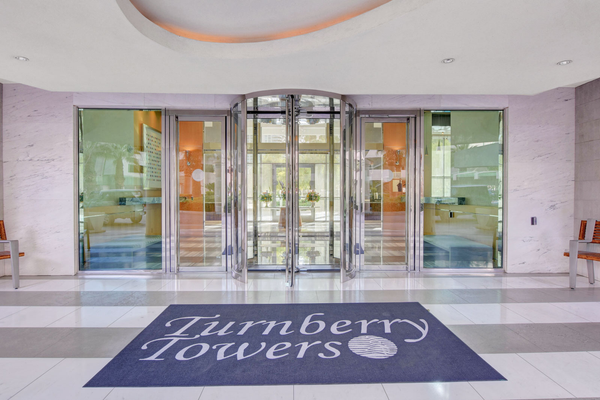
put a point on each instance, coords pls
(589, 233)
(12, 254)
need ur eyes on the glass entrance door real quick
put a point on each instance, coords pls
(200, 193)
(291, 186)
(387, 184)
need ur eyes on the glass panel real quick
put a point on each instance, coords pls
(120, 185)
(266, 199)
(315, 215)
(272, 131)
(319, 103)
(313, 130)
(266, 103)
(200, 185)
(385, 193)
(463, 189)
(318, 187)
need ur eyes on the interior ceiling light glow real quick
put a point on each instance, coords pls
(564, 62)
(21, 58)
(448, 60)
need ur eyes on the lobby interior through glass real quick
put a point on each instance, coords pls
(317, 186)
(369, 191)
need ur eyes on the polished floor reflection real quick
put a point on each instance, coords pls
(58, 332)
(121, 245)
(314, 248)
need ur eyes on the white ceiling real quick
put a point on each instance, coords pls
(212, 20)
(500, 47)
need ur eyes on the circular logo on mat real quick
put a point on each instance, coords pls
(372, 347)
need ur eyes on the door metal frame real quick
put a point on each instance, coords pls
(237, 228)
(171, 185)
(414, 212)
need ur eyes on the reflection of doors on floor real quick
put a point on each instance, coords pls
(191, 223)
(200, 241)
(394, 224)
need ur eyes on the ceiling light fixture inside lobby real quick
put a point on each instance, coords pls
(564, 62)
(448, 60)
(21, 58)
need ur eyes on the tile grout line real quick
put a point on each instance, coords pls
(502, 305)
(564, 388)
(580, 316)
(126, 312)
(108, 394)
(551, 304)
(539, 279)
(592, 337)
(476, 391)
(125, 282)
(64, 316)
(26, 386)
(597, 356)
(24, 308)
(458, 311)
(385, 391)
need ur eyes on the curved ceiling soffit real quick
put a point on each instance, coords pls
(345, 29)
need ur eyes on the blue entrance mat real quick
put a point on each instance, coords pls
(288, 344)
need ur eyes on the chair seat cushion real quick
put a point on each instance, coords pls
(6, 254)
(586, 255)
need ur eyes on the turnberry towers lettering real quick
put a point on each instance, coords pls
(186, 343)
(285, 344)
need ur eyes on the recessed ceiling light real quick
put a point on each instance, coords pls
(21, 58)
(564, 62)
(448, 60)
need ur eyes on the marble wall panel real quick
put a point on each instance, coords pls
(473, 102)
(38, 178)
(429, 102)
(540, 163)
(39, 169)
(160, 100)
(190, 101)
(1, 164)
(541, 151)
(386, 102)
(83, 99)
(587, 92)
(587, 160)
(1, 179)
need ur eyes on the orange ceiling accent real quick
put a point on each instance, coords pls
(264, 38)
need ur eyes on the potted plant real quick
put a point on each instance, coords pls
(313, 197)
(282, 196)
(266, 198)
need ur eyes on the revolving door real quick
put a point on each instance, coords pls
(293, 177)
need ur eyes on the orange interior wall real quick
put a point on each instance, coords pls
(191, 139)
(394, 138)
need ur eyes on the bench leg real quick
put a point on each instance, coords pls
(14, 260)
(590, 265)
(573, 250)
